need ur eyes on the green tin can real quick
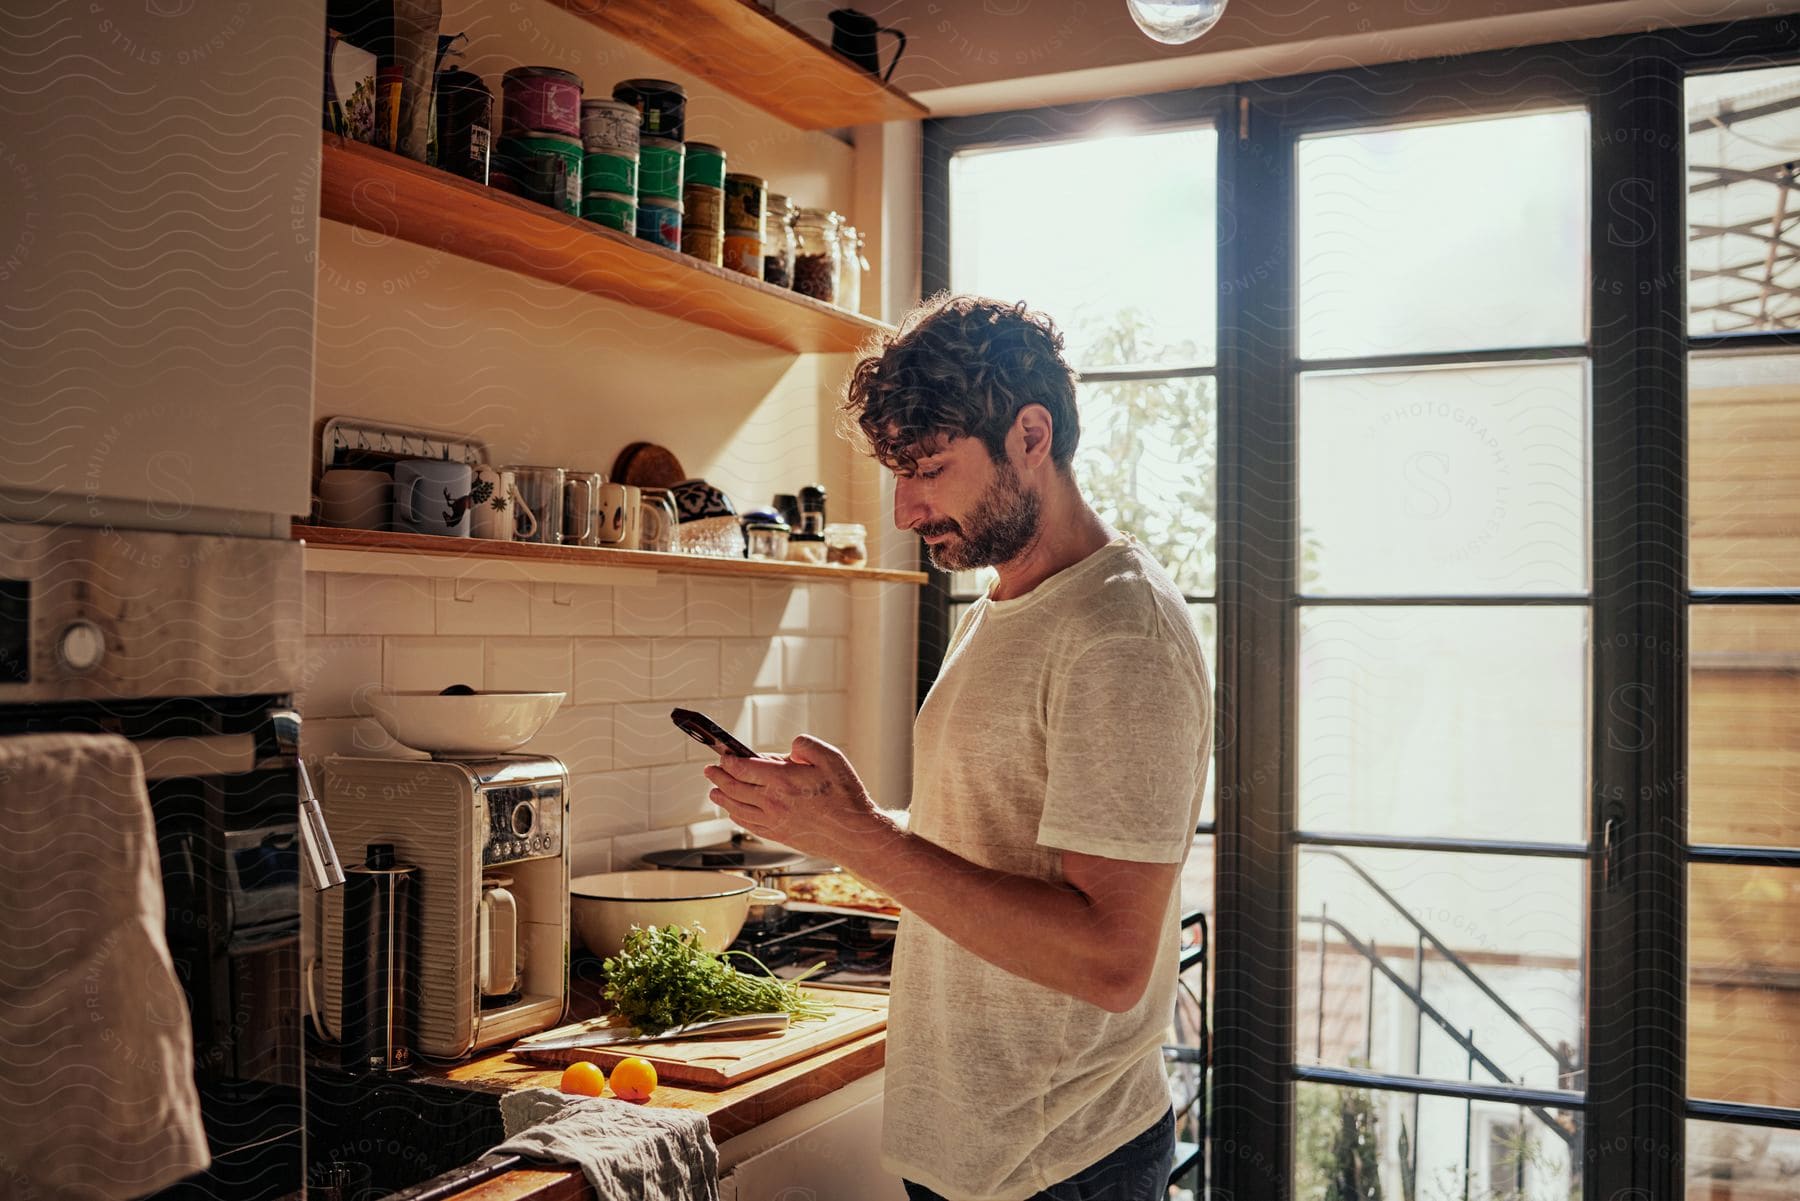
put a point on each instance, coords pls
(541, 167)
(659, 169)
(705, 164)
(609, 173)
(611, 210)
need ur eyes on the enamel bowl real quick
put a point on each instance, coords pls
(481, 723)
(605, 906)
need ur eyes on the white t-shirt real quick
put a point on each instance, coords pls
(1076, 717)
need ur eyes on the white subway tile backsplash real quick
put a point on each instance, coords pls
(603, 804)
(334, 674)
(749, 665)
(732, 712)
(571, 610)
(684, 667)
(777, 719)
(612, 669)
(809, 663)
(678, 796)
(776, 605)
(378, 604)
(315, 603)
(431, 664)
(718, 608)
(320, 737)
(580, 735)
(628, 850)
(482, 607)
(830, 714)
(711, 833)
(530, 664)
(589, 856)
(828, 609)
(643, 736)
(659, 611)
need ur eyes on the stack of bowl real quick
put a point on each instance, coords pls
(609, 166)
(662, 120)
(746, 203)
(539, 156)
(703, 203)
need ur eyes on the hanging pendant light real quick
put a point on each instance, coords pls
(1175, 22)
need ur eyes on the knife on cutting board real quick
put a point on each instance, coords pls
(600, 1033)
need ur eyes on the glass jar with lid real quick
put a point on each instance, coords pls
(816, 254)
(849, 270)
(778, 242)
(846, 542)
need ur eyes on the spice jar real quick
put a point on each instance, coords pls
(778, 242)
(816, 254)
(846, 542)
(767, 540)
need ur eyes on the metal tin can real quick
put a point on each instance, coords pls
(661, 106)
(613, 211)
(746, 199)
(464, 126)
(743, 253)
(705, 164)
(659, 221)
(609, 127)
(539, 100)
(703, 208)
(609, 173)
(544, 168)
(659, 169)
(703, 244)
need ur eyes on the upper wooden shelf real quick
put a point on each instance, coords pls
(371, 552)
(756, 56)
(392, 195)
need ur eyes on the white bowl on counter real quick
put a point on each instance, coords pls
(477, 723)
(606, 905)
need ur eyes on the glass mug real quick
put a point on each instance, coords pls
(659, 520)
(583, 511)
(540, 489)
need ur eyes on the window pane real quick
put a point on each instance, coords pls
(1206, 624)
(1430, 1148)
(1463, 236)
(1744, 725)
(1148, 463)
(1743, 968)
(1446, 722)
(1742, 131)
(1514, 921)
(1034, 225)
(1742, 1163)
(1465, 480)
(1744, 471)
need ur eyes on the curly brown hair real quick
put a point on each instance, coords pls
(960, 366)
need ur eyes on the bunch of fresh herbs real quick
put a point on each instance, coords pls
(664, 978)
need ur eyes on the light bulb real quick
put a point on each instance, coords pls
(1174, 22)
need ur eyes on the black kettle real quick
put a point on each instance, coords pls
(853, 36)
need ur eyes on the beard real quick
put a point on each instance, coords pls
(1002, 525)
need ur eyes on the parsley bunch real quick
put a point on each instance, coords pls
(664, 978)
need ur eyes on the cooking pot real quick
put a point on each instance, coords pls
(606, 905)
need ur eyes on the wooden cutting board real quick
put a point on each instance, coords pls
(723, 1062)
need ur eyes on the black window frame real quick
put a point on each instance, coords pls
(1637, 849)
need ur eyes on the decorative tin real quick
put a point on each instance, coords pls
(705, 165)
(743, 253)
(704, 208)
(661, 106)
(612, 211)
(659, 169)
(539, 100)
(544, 168)
(659, 221)
(465, 124)
(609, 127)
(702, 243)
(609, 173)
(746, 199)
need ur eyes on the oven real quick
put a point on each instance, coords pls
(189, 647)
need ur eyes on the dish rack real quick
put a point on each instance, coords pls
(345, 438)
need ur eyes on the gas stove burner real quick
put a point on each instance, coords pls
(855, 949)
(724, 858)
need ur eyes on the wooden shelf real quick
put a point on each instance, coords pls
(369, 552)
(392, 195)
(756, 56)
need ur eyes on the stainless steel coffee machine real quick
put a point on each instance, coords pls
(489, 837)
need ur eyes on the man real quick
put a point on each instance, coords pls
(1058, 765)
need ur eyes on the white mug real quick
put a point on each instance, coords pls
(620, 519)
(496, 508)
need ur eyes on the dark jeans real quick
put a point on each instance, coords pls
(1137, 1171)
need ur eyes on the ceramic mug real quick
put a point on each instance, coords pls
(621, 516)
(354, 499)
(496, 509)
(431, 496)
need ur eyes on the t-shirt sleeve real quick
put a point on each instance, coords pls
(1129, 730)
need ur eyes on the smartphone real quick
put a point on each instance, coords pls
(704, 729)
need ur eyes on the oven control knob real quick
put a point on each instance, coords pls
(522, 817)
(81, 646)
